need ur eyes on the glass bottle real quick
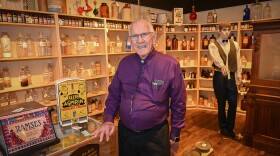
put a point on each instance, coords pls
(96, 86)
(42, 45)
(66, 71)
(193, 14)
(187, 61)
(52, 93)
(128, 45)
(184, 43)
(93, 69)
(215, 17)
(67, 45)
(212, 38)
(13, 100)
(205, 42)
(109, 68)
(34, 94)
(6, 45)
(29, 76)
(93, 44)
(81, 44)
(267, 11)
(243, 61)
(1, 80)
(205, 59)
(115, 9)
(30, 45)
(246, 13)
(210, 17)
(100, 105)
(251, 41)
(49, 46)
(23, 77)
(46, 97)
(28, 96)
(119, 45)
(126, 12)
(256, 10)
(202, 63)
(104, 10)
(98, 68)
(175, 43)
(46, 75)
(21, 46)
(245, 41)
(3, 100)
(192, 43)
(168, 43)
(79, 69)
(7, 77)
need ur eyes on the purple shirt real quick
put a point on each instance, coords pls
(140, 91)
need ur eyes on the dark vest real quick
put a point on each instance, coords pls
(232, 62)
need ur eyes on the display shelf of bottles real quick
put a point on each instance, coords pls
(95, 77)
(111, 29)
(26, 25)
(206, 66)
(182, 32)
(84, 28)
(19, 88)
(83, 55)
(206, 79)
(206, 89)
(121, 53)
(96, 112)
(27, 58)
(96, 94)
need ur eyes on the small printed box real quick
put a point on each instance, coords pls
(178, 15)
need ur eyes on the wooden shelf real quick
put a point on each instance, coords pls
(121, 53)
(96, 112)
(206, 79)
(83, 55)
(79, 28)
(187, 89)
(19, 88)
(182, 32)
(173, 51)
(110, 29)
(188, 66)
(27, 58)
(89, 95)
(189, 79)
(53, 103)
(26, 25)
(207, 89)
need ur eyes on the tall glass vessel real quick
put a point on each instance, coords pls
(256, 10)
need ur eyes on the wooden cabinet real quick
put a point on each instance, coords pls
(262, 128)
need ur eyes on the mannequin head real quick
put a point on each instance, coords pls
(224, 30)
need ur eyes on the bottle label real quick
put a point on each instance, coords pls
(4, 104)
(24, 45)
(13, 101)
(42, 44)
(245, 40)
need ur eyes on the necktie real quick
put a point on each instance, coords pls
(225, 41)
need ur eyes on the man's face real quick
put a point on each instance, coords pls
(224, 33)
(142, 39)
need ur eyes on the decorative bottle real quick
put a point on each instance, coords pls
(6, 45)
(126, 12)
(127, 45)
(205, 42)
(3, 100)
(192, 43)
(267, 11)
(210, 17)
(245, 41)
(42, 44)
(13, 100)
(184, 43)
(215, 17)
(23, 77)
(81, 44)
(115, 9)
(7, 77)
(168, 43)
(21, 46)
(246, 13)
(256, 10)
(119, 45)
(46, 97)
(175, 43)
(193, 14)
(30, 45)
(29, 76)
(104, 10)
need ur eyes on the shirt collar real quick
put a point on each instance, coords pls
(149, 57)
(220, 40)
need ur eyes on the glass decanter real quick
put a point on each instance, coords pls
(193, 15)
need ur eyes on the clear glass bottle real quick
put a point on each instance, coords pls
(34, 95)
(256, 10)
(52, 93)
(187, 61)
(46, 96)
(28, 96)
(21, 46)
(267, 11)
(42, 45)
(13, 100)
(79, 70)
(96, 86)
(81, 45)
(67, 45)
(23, 78)
(3, 100)
(30, 45)
(66, 71)
(98, 68)
(215, 17)
(210, 17)
(119, 45)
(51, 74)
(49, 46)
(46, 75)
(7, 77)
(6, 45)
(93, 69)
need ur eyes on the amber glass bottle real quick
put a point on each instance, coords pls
(192, 43)
(168, 43)
(205, 42)
(245, 41)
(175, 43)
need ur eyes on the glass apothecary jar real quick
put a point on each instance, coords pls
(256, 10)
(104, 10)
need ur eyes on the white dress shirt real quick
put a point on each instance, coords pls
(216, 58)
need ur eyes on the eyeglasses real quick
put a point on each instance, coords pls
(144, 35)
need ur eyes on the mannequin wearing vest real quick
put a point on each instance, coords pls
(225, 55)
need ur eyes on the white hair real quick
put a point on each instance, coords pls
(151, 28)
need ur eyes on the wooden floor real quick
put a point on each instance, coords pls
(203, 125)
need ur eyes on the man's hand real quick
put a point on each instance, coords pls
(174, 146)
(107, 129)
(224, 70)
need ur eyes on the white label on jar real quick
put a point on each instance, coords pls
(42, 44)
(7, 55)
(24, 45)
(4, 104)
(13, 102)
(119, 44)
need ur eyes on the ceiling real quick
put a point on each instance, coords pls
(201, 5)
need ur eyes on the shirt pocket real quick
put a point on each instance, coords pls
(158, 92)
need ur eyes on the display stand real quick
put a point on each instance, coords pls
(71, 101)
(25, 128)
